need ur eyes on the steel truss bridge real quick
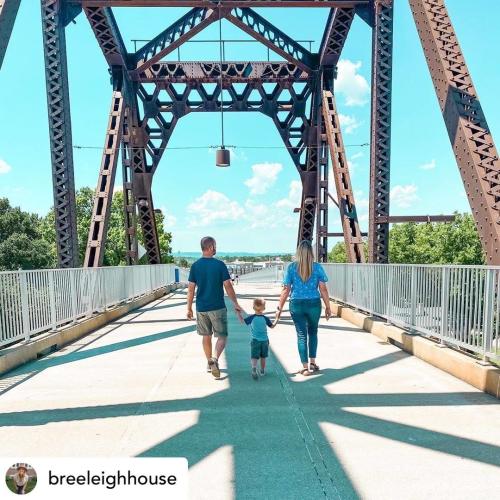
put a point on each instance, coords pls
(301, 104)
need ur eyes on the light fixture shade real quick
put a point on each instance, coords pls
(223, 157)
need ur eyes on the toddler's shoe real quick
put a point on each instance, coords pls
(255, 376)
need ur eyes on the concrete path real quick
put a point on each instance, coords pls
(375, 423)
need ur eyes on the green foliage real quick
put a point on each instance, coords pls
(436, 243)
(21, 240)
(114, 254)
(338, 253)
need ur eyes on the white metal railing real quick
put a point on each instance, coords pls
(460, 305)
(271, 274)
(32, 302)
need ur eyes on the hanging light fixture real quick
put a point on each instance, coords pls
(223, 155)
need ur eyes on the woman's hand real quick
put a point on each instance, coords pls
(328, 313)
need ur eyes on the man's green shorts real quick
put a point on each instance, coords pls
(212, 322)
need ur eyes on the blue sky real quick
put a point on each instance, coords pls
(247, 207)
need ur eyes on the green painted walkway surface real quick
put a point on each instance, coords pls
(374, 423)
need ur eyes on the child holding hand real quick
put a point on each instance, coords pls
(259, 345)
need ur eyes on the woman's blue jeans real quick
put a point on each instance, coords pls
(305, 314)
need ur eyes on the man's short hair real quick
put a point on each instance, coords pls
(207, 242)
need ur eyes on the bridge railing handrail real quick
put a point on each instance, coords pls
(457, 305)
(33, 302)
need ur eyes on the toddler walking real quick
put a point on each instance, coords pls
(259, 344)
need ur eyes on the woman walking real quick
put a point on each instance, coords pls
(305, 283)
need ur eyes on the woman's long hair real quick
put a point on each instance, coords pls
(305, 260)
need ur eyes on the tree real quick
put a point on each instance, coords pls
(21, 242)
(456, 242)
(114, 254)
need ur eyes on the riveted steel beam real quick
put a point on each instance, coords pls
(337, 28)
(262, 30)
(8, 14)
(470, 135)
(380, 147)
(56, 77)
(103, 24)
(96, 243)
(175, 35)
(232, 72)
(345, 195)
(214, 3)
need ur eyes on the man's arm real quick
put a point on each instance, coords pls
(190, 297)
(228, 286)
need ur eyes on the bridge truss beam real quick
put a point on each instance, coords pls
(301, 104)
(8, 14)
(470, 135)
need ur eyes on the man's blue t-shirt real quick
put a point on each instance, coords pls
(307, 289)
(209, 275)
(258, 324)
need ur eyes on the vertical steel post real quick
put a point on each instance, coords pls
(52, 299)
(61, 147)
(489, 312)
(380, 155)
(445, 293)
(25, 305)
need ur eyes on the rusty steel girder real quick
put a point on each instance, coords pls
(380, 147)
(63, 180)
(174, 36)
(8, 14)
(470, 136)
(262, 30)
(232, 72)
(337, 28)
(129, 204)
(345, 195)
(96, 242)
(214, 3)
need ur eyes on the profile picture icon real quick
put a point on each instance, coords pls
(20, 478)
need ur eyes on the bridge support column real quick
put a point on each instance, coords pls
(101, 212)
(380, 156)
(61, 147)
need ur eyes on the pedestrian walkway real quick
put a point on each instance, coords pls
(375, 423)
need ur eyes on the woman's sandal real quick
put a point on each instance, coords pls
(314, 367)
(305, 372)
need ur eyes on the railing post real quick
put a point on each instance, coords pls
(24, 305)
(388, 306)
(489, 291)
(413, 297)
(52, 298)
(445, 293)
(103, 289)
(73, 293)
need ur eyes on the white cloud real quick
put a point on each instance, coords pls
(428, 166)
(294, 196)
(5, 168)
(349, 123)
(264, 176)
(213, 207)
(351, 84)
(355, 156)
(404, 196)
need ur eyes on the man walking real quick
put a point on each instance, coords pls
(210, 276)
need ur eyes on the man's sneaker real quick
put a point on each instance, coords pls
(214, 367)
(262, 372)
(255, 376)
